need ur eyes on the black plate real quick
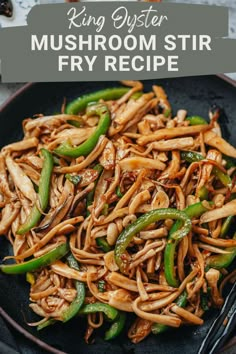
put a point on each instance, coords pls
(197, 95)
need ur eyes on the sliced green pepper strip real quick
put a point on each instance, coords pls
(167, 113)
(103, 244)
(223, 177)
(101, 286)
(98, 168)
(90, 196)
(30, 278)
(36, 263)
(143, 221)
(192, 211)
(226, 226)
(109, 311)
(84, 149)
(136, 95)
(204, 301)
(181, 301)
(203, 193)
(116, 327)
(78, 302)
(191, 156)
(118, 192)
(196, 120)
(73, 179)
(56, 160)
(43, 194)
(220, 261)
(81, 103)
(105, 209)
(75, 123)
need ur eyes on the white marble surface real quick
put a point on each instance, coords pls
(21, 9)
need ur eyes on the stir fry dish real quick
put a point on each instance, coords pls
(117, 205)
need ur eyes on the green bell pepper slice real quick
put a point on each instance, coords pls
(143, 221)
(192, 211)
(226, 226)
(85, 148)
(103, 244)
(78, 302)
(220, 261)
(110, 312)
(181, 301)
(36, 263)
(80, 104)
(116, 327)
(43, 194)
(191, 156)
(196, 120)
